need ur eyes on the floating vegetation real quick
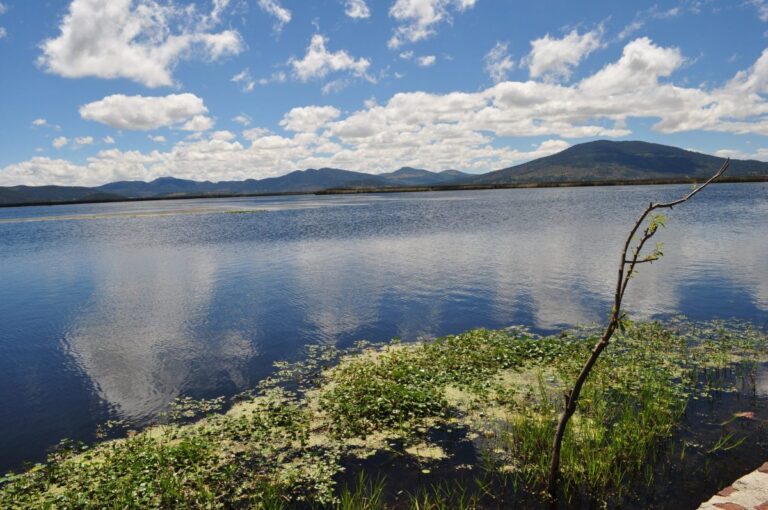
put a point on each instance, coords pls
(294, 441)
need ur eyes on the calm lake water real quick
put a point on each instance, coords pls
(111, 311)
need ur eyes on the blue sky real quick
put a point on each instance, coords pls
(93, 91)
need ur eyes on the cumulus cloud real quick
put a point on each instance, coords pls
(759, 154)
(319, 62)
(462, 130)
(309, 119)
(157, 138)
(41, 171)
(108, 140)
(144, 113)
(426, 61)
(498, 62)
(356, 9)
(60, 142)
(198, 123)
(418, 18)
(554, 59)
(140, 41)
(281, 14)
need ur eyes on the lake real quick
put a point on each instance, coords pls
(111, 311)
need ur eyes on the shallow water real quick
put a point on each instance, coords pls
(114, 310)
(686, 472)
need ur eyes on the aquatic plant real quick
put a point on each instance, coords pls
(631, 256)
(286, 444)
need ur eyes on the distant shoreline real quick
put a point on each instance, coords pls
(408, 189)
(533, 185)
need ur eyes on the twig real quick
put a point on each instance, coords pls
(626, 269)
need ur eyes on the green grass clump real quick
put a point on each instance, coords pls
(633, 400)
(402, 385)
(252, 457)
(283, 449)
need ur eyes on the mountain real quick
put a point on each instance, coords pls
(52, 194)
(300, 181)
(168, 186)
(408, 176)
(607, 160)
(316, 180)
(588, 162)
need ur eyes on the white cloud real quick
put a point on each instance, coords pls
(140, 41)
(760, 154)
(223, 136)
(281, 14)
(276, 77)
(198, 123)
(144, 113)
(319, 62)
(108, 140)
(356, 9)
(309, 118)
(3, 31)
(642, 17)
(498, 62)
(335, 86)
(45, 123)
(426, 60)
(418, 18)
(462, 130)
(82, 141)
(41, 171)
(243, 119)
(554, 59)
(762, 8)
(245, 80)
(60, 142)
(407, 55)
(157, 138)
(254, 133)
(218, 8)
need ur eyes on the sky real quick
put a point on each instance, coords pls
(96, 91)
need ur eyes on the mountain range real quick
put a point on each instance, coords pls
(593, 162)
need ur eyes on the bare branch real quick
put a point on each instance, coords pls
(648, 259)
(696, 190)
(626, 269)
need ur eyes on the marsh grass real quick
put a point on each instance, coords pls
(282, 446)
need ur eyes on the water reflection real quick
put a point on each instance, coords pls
(139, 340)
(115, 316)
